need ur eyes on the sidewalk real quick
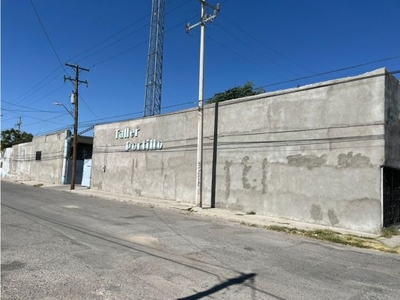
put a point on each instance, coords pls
(247, 219)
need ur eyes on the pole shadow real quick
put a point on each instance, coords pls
(233, 281)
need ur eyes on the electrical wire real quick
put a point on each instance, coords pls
(31, 111)
(288, 81)
(264, 44)
(256, 51)
(245, 58)
(126, 36)
(48, 38)
(333, 71)
(26, 107)
(24, 95)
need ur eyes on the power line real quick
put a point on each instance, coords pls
(30, 111)
(112, 44)
(264, 44)
(121, 118)
(124, 37)
(87, 106)
(333, 71)
(24, 95)
(136, 46)
(256, 51)
(22, 106)
(48, 38)
(245, 58)
(41, 120)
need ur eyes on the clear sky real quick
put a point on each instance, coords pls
(271, 43)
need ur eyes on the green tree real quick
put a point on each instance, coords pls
(245, 90)
(12, 137)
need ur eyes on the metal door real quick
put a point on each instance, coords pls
(87, 171)
(391, 196)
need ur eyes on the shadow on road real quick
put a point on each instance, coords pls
(238, 280)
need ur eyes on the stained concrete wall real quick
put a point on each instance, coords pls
(166, 174)
(50, 167)
(6, 162)
(23, 163)
(311, 154)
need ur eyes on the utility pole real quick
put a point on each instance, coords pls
(203, 20)
(19, 123)
(75, 102)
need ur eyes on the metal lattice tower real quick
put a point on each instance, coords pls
(152, 101)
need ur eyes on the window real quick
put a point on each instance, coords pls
(38, 155)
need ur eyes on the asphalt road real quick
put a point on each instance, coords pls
(58, 245)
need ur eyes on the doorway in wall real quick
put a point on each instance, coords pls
(391, 196)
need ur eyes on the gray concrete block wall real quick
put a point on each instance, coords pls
(311, 154)
(165, 174)
(20, 165)
(6, 157)
(23, 163)
(49, 168)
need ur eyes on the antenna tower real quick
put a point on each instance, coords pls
(152, 100)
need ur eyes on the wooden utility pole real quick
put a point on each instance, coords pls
(75, 102)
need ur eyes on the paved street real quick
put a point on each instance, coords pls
(58, 245)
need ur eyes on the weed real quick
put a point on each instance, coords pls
(38, 185)
(252, 212)
(338, 238)
(388, 232)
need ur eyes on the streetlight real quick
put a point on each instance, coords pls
(60, 104)
(75, 145)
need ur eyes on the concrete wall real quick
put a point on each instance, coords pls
(311, 154)
(392, 122)
(23, 163)
(49, 168)
(6, 162)
(167, 174)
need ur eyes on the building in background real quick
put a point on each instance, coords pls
(47, 158)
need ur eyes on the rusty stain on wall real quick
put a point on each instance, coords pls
(350, 161)
(308, 161)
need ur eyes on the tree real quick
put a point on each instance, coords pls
(247, 89)
(12, 137)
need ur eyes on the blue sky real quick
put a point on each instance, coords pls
(270, 43)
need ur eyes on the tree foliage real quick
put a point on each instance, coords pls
(245, 90)
(12, 137)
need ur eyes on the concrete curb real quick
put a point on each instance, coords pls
(232, 216)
